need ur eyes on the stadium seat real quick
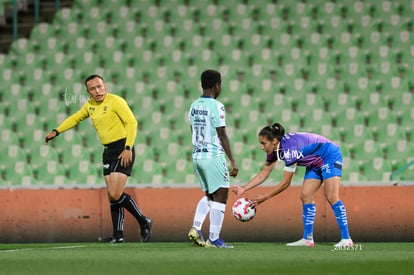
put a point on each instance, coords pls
(66, 15)
(377, 118)
(79, 46)
(82, 172)
(355, 132)
(179, 171)
(337, 102)
(16, 171)
(390, 131)
(344, 119)
(400, 100)
(404, 118)
(21, 46)
(25, 122)
(354, 173)
(8, 136)
(365, 150)
(51, 173)
(250, 168)
(151, 172)
(313, 119)
(253, 117)
(18, 174)
(119, 13)
(72, 152)
(397, 153)
(39, 153)
(86, 61)
(328, 131)
(42, 31)
(25, 113)
(286, 117)
(377, 169)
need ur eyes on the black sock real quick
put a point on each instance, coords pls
(129, 203)
(117, 214)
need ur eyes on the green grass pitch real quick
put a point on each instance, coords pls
(185, 258)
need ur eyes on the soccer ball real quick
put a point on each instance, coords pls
(242, 211)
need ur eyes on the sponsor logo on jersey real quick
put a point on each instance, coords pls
(290, 154)
(199, 112)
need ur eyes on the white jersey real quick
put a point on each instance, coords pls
(206, 114)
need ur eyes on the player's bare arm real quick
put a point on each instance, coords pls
(282, 185)
(256, 180)
(221, 131)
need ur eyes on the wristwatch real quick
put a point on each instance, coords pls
(127, 147)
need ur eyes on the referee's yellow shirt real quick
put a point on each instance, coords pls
(112, 119)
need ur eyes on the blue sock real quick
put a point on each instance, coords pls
(340, 215)
(309, 212)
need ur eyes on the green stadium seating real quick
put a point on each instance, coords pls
(51, 173)
(345, 119)
(346, 59)
(151, 172)
(365, 151)
(17, 174)
(397, 153)
(330, 132)
(354, 173)
(178, 169)
(377, 169)
(314, 119)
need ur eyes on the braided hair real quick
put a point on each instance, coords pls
(271, 132)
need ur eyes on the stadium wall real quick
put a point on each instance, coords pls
(378, 213)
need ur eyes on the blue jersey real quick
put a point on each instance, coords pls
(304, 149)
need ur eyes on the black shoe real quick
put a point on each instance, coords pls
(114, 240)
(146, 231)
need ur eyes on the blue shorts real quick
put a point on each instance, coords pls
(212, 173)
(332, 164)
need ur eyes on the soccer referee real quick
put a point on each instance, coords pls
(117, 128)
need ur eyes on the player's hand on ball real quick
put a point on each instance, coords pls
(253, 203)
(258, 200)
(238, 190)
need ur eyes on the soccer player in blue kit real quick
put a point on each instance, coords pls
(323, 161)
(210, 148)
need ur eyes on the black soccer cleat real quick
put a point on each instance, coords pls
(146, 231)
(114, 240)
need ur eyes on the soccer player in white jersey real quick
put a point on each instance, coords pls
(210, 148)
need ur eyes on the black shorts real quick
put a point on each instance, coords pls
(111, 162)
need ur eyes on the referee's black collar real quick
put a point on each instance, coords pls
(206, 96)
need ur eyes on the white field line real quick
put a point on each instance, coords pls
(43, 248)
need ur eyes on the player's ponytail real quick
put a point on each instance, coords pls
(271, 132)
(278, 130)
